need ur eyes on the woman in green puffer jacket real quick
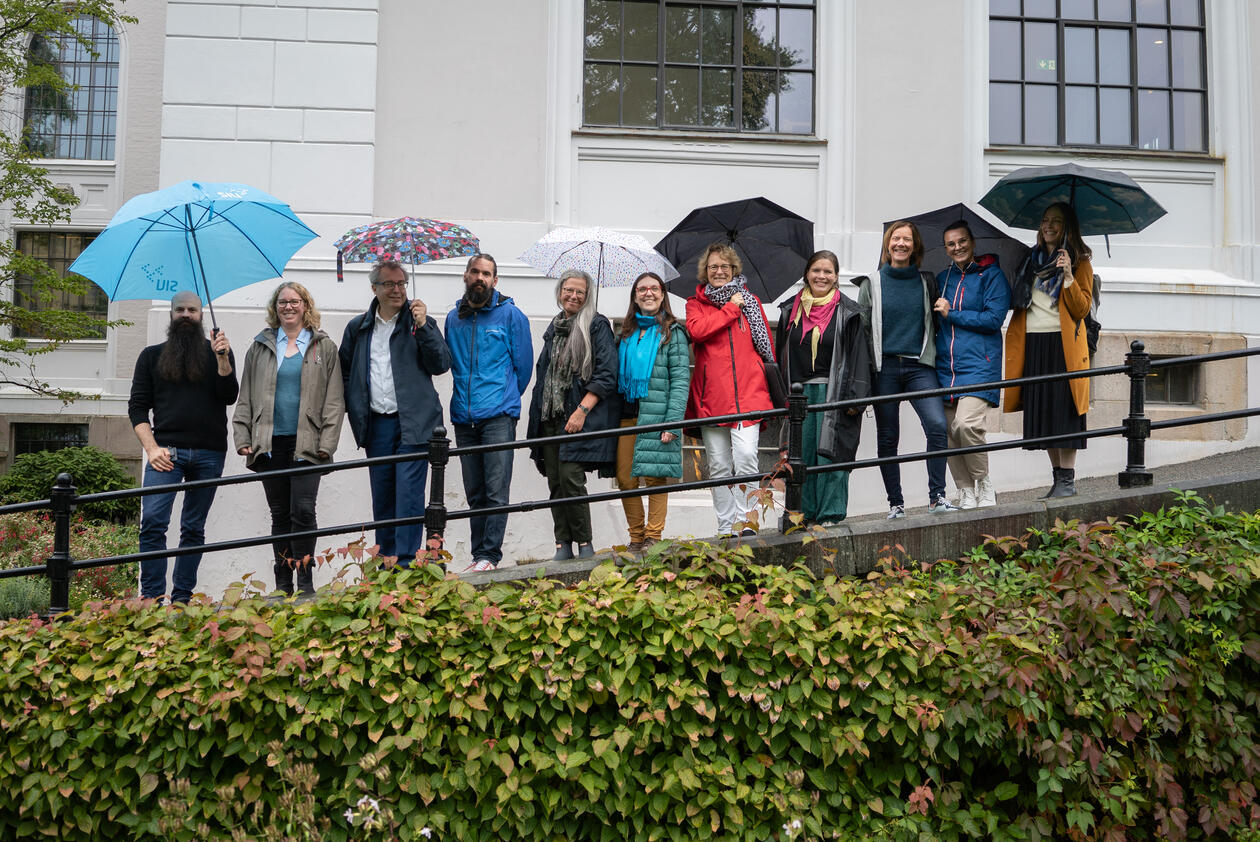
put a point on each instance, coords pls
(653, 376)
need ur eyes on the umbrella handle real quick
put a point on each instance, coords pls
(340, 276)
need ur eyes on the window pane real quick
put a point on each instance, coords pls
(718, 36)
(717, 106)
(1114, 10)
(1113, 57)
(1187, 12)
(1152, 11)
(601, 95)
(760, 100)
(1080, 119)
(1041, 115)
(1004, 114)
(638, 98)
(1187, 65)
(796, 103)
(1039, 9)
(58, 250)
(760, 49)
(1078, 9)
(641, 31)
(1040, 52)
(682, 96)
(1152, 56)
(72, 123)
(682, 33)
(1116, 117)
(796, 38)
(1003, 7)
(1153, 131)
(603, 29)
(1188, 122)
(1078, 54)
(1003, 49)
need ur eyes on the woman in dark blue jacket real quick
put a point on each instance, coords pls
(974, 300)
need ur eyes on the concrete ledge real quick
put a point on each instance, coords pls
(853, 548)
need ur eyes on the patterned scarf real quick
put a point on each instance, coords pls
(816, 313)
(560, 368)
(751, 308)
(637, 356)
(1046, 275)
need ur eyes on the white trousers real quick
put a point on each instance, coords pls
(731, 451)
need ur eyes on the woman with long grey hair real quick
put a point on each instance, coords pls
(575, 389)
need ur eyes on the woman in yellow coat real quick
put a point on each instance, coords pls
(1047, 336)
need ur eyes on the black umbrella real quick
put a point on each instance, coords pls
(989, 239)
(1105, 201)
(772, 242)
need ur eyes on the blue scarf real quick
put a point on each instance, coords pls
(638, 355)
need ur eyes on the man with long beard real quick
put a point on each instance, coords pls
(492, 359)
(179, 398)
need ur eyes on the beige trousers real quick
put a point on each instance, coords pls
(965, 423)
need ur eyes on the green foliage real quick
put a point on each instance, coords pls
(1094, 681)
(92, 469)
(26, 540)
(28, 193)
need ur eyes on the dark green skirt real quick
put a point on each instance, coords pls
(825, 496)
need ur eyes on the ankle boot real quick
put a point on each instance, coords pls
(1054, 486)
(1065, 483)
(564, 552)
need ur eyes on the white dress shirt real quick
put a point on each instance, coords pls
(381, 369)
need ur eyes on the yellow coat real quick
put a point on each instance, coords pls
(1074, 304)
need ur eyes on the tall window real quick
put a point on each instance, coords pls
(713, 66)
(1121, 73)
(79, 123)
(57, 249)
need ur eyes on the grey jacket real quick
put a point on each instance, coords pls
(321, 404)
(870, 300)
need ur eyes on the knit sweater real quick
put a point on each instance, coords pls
(184, 413)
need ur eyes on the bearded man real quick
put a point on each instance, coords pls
(180, 393)
(492, 359)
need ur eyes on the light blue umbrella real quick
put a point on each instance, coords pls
(204, 238)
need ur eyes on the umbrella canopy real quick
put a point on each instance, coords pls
(407, 239)
(772, 242)
(613, 259)
(209, 238)
(1105, 201)
(989, 239)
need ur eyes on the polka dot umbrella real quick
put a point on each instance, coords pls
(613, 259)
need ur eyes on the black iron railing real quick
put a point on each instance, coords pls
(1136, 429)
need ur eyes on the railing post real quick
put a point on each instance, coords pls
(435, 512)
(796, 462)
(59, 562)
(1137, 427)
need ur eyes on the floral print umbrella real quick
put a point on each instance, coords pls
(407, 240)
(613, 259)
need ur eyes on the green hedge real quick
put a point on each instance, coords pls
(93, 470)
(1093, 682)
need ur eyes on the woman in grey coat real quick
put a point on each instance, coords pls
(289, 414)
(653, 376)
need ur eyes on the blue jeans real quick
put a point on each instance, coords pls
(897, 374)
(487, 481)
(189, 464)
(397, 490)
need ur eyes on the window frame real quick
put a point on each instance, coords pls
(73, 56)
(79, 431)
(662, 65)
(1134, 87)
(21, 283)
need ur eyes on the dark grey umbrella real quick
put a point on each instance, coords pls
(772, 242)
(1105, 201)
(989, 239)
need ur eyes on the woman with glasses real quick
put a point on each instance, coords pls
(575, 390)
(728, 327)
(653, 374)
(288, 415)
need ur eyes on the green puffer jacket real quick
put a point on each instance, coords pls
(666, 400)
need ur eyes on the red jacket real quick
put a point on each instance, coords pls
(729, 376)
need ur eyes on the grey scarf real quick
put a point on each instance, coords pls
(560, 368)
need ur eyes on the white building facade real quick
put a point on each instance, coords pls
(516, 116)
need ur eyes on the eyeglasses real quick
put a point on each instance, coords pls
(716, 267)
(391, 284)
(644, 290)
(288, 304)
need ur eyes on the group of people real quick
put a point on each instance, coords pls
(908, 331)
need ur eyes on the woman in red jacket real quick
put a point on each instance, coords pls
(729, 332)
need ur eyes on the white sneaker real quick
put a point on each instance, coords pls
(967, 498)
(480, 565)
(896, 512)
(985, 495)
